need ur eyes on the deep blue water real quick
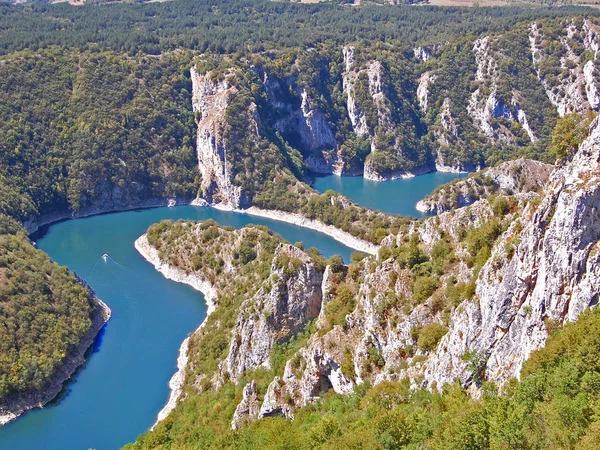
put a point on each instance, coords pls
(393, 197)
(125, 382)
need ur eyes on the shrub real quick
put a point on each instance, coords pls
(430, 335)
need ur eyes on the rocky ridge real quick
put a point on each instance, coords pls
(357, 111)
(518, 176)
(537, 275)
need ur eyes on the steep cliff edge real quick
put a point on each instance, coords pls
(264, 293)
(467, 295)
(550, 276)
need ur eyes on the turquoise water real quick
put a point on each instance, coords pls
(125, 382)
(393, 197)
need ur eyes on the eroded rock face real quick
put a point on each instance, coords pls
(210, 100)
(280, 309)
(553, 275)
(321, 372)
(247, 409)
(483, 109)
(304, 123)
(576, 90)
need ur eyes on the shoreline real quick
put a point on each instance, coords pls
(296, 219)
(64, 374)
(33, 225)
(209, 292)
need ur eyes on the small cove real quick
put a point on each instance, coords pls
(392, 197)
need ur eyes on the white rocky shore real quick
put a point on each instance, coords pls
(150, 254)
(296, 219)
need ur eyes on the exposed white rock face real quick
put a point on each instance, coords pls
(304, 120)
(422, 53)
(348, 53)
(576, 88)
(355, 114)
(247, 409)
(522, 118)
(554, 275)
(425, 81)
(376, 88)
(590, 40)
(484, 109)
(446, 119)
(320, 135)
(209, 102)
(593, 96)
(275, 313)
(321, 373)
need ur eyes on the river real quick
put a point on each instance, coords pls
(125, 383)
(393, 197)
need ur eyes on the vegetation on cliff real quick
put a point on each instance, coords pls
(554, 405)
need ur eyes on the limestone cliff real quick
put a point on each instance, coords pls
(276, 312)
(544, 269)
(210, 99)
(576, 89)
(551, 276)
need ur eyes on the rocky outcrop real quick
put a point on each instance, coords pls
(485, 107)
(575, 90)
(355, 113)
(13, 407)
(210, 99)
(519, 176)
(321, 373)
(424, 54)
(425, 82)
(300, 121)
(551, 277)
(276, 312)
(247, 410)
(544, 269)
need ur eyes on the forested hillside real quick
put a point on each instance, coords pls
(238, 101)
(47, 322)
(98, 111)
(243, 26)
(81, 129)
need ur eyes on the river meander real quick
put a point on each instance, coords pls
(125, 383)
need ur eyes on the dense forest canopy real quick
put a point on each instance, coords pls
(243, 25)
(44, 314)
